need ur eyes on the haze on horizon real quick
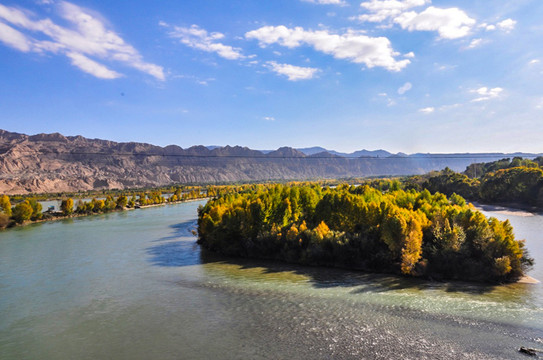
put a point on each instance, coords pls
(399, 75)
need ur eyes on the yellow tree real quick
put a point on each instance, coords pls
(67, 206)
(5, 205)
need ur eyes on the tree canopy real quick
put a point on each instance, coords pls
(409, 232)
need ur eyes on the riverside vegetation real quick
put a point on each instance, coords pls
(411, 232)
(29, 209)
(517, 182)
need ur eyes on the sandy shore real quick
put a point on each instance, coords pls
(528, 280)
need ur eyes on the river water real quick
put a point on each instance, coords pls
(134, 285)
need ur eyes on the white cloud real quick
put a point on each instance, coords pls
(409, 55)
(427, 110)
(534, 61)
(475, 43)
(269, 118)
(487, 27)
(352, 46)
(326, 2)
(92, 67)
(198, 38)
(451, 23)
(294, 73)
(14, 38)
(381, 10)
(86, 36)
(405, 88)
(507, 25)
(485, 93)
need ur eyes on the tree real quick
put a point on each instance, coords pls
(132, 201)
(81, 207)
(5, 205)
(67, 206)
(22, 212)
(36, 209)
(122, 201)
(4, 221)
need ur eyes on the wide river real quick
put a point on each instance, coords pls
(135, 285)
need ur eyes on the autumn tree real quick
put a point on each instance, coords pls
(122, 201)
(67, 206)
(5, 205)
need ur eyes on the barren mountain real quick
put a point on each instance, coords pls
(56, 163)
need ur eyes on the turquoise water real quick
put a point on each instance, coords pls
(134, 285)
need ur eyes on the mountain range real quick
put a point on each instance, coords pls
(56, 163)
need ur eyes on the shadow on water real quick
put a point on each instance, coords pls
(180, 249)
(359, 281)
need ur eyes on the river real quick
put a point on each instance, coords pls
(134, 285)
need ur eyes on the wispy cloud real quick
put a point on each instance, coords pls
(475, 43)
(484, 93)
(293, 73)
(352, 46)
(405, 88)
(198, 38)
(381, 10)
(268, 118)
(15, 39)
(85, 36)
(427, 110)
(92, 67)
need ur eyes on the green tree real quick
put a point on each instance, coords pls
(22, 212)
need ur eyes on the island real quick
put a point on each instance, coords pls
(407, 232)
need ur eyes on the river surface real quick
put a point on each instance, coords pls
(134, 285)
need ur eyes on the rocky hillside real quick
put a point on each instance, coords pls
(55, 163)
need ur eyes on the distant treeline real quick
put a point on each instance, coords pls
(30, 209)
(411, 232)
(518, 182)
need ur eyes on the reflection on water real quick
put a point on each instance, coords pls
(135, 285)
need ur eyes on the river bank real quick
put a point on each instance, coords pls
(57, 216)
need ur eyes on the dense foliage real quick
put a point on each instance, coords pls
(409, 232)
(518, 181)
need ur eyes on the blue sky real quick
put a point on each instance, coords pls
(400, 75)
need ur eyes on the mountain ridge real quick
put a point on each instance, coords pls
(57, 163)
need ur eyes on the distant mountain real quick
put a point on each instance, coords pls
(313, 150)
(360, 153)
(56, 163)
